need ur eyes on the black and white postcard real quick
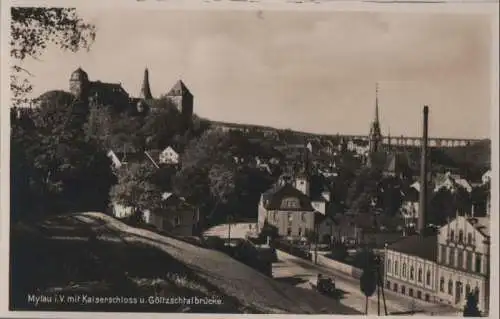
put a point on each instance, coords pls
(244, 157)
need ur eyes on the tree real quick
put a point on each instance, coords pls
(339, 251)
(135, 188)
(368, 285)
(33, 29)
(471, 309)
(268, 231)
(54, 167)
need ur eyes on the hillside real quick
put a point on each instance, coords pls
(136, 262)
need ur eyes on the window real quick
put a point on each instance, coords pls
(389, 265)
(460, 259)
(412, 273)
(396, 270)
(467, 289)
(419, 294)
(303, 217)
(177, 220)
(450, 287)
(290, 218)
(410, 292)
(469, 239)
(289, 231)
(427, 297)
(441, 284)
(404, 270)
(469, 261)
(461, 236)
(388, 284)
(478, 263)
(290, 202)
(420, 274)
(428, 278)
(451, 260)
(395, 287)
(300, 231)
(452, 235)
(443, 254)
(403, 290)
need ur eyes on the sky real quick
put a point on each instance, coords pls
(309, 71)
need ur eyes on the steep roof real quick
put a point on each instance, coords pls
(275, 197)
(178, 89)
(417, 245)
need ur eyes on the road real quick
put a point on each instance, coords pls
(299, 272)
(238, 230)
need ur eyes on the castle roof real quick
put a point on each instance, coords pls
(79, 75)
(179, 89)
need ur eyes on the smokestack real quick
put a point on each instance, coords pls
(423, 174)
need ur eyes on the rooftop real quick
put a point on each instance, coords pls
(417, 245)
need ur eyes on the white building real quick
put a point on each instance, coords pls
(169, 156)
(463, 261)
(411, 267)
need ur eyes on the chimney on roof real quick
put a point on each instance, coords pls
(422, 216)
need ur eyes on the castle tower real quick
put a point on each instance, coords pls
(79, 84)
(145, 89)
(375, 138)
(183, 100)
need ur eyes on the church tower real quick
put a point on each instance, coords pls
(375, 137)
(145, 89)
(79, 84)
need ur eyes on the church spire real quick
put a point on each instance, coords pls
(145, 89)
(376, 104)
(375, 138)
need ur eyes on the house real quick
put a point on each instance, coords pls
(410, 206)
(290, 207)
(169, 156)
(411, 267)
(464, 261)
(451, 182)
(176, 216)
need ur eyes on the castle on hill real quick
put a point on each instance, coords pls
(113, 94)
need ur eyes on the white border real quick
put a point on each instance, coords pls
(456, 6)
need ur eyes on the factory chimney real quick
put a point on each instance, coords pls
(422, 216)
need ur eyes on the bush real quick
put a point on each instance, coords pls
(339, 251)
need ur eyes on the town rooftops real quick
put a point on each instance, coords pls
(421, 246)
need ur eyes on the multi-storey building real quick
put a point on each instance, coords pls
(463, 261)
(411, 267)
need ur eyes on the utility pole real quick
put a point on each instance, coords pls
(380, 286)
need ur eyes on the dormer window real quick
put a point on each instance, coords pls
(452, 235)
(461, 236)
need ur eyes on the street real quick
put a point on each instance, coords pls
(299, 272)
(238, 230)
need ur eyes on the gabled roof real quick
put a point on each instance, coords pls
(424, 247)
(275, 196)
(179, 89)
